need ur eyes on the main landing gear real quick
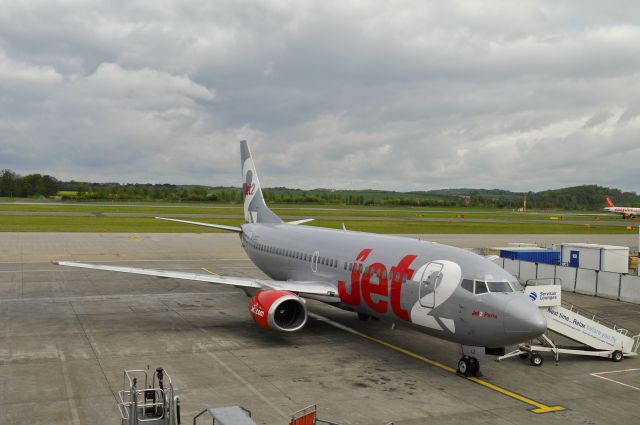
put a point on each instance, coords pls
(469, 366)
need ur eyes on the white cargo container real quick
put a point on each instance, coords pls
(608, 258)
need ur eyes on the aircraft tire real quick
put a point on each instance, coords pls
(617, 356)
(474, 367)
(464, 366)
(536, 359)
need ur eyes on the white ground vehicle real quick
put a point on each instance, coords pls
(595, 336)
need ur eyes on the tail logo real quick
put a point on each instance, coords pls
(249, 189)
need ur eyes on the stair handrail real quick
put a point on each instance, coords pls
(595, 318)
(636, 343)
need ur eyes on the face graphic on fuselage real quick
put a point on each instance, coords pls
(447, 292)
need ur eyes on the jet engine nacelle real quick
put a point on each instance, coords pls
(279, 310)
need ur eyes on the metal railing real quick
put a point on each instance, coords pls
(154, 402)
(636, 343)
(309, 415)
(594, 317)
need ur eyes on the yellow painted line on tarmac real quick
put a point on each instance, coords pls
(538, 407)
(210, 272)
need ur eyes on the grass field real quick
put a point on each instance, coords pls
(23, 223)
(43, 223)
(416, 227)
(370, 219)
(297, 210)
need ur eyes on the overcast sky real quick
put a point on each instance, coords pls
(402, 95)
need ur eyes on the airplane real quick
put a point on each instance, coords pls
(626, 212)
(444, 291)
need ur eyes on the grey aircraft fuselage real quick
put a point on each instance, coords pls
(403, 280)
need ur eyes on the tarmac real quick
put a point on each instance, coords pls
(66, 335)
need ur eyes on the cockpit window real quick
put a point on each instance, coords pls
(481, 287)
(516, 286)
(467, 284)
(499, 287)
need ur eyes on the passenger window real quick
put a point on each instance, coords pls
(383, 275)
(481, 287)
(404, 278)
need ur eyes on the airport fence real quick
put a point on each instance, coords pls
(616, 286)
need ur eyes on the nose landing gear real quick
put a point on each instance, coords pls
(469, 366)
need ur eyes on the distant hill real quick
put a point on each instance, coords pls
(585, 197)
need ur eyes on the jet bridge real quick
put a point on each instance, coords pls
(594, 335)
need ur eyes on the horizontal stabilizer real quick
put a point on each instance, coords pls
(305, 220)
(197, 223)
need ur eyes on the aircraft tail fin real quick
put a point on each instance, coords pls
(608, 202)
(255, 209)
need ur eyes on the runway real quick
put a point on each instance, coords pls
(67, 335)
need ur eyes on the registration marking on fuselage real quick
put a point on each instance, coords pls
(537, 406)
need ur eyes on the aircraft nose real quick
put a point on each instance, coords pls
(523, 320)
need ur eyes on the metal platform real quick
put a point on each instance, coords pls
(156, 403)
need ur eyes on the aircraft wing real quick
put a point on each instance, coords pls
(323, 289)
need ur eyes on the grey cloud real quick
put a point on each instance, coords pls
(403, 95)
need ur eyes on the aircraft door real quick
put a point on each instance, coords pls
(429, 283)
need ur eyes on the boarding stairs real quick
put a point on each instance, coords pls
(596, 336)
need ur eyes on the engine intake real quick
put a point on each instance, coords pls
(280, 310)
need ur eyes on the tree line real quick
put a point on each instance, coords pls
(13, 185)
(586, 197)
